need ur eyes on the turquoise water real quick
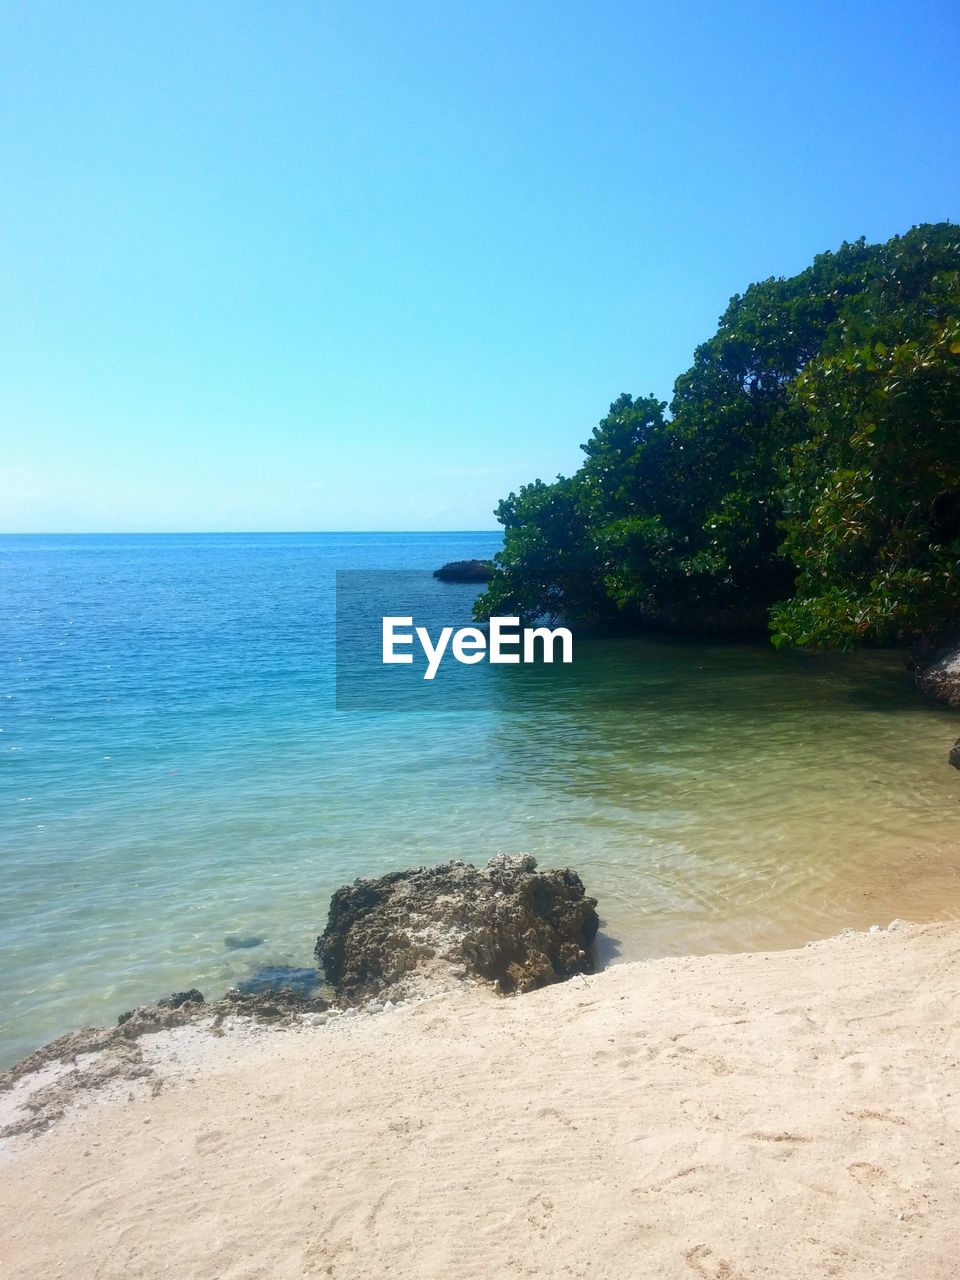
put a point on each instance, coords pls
(173, 771)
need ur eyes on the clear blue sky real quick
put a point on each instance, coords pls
(323, 265)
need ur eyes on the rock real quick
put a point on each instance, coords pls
(151, 1011)
(175, 1001)
(954, 756)
(465, 571)
(188, 1006)
(193, 996)
(281, 977)
(939, 676)
(282, 1002)
(148, 1018)
(407, 933)
(242, 941)
(94, 1056)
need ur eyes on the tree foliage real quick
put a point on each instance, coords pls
(809, 466)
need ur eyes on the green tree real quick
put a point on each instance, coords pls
(873, 493)
(807, 466)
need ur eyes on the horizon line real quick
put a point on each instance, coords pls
(210, 533)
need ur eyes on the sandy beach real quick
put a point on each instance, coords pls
(787, 1114)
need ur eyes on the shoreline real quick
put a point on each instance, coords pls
(920, 886)
(786, 1113)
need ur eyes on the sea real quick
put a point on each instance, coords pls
(182, 789)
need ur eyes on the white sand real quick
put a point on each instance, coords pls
(791, 1114)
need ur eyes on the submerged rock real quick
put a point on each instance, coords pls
(242, 941)
(280, 977)
(412, 932)
(465, 571)
(954, 756)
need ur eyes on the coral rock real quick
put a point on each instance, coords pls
(413, 932)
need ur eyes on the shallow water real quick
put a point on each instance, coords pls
(173, 773)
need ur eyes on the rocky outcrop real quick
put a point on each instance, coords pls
(939, 677)
(465, 571)
(179, 998)
(189, 1006)
(413, 932)
(97, 1056)
(936, 672)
